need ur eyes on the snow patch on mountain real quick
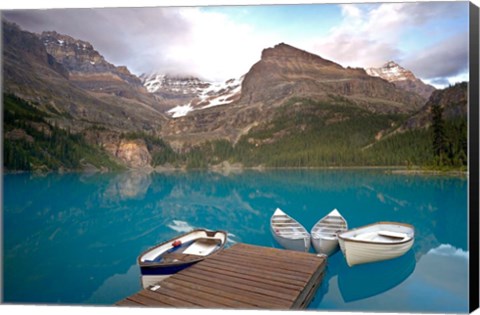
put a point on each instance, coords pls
(202, 94)
(180, 110)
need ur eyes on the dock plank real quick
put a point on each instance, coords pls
(263, 273)
(250, 299)
(242, 276)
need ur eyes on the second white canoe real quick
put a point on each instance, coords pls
(324, 233)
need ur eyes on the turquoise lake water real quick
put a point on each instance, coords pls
(73, 239)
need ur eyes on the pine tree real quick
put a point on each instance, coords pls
(438, 126)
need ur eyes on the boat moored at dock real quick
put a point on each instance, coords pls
(170, 257)
(324, 234)
(376, 242)
(288, 232)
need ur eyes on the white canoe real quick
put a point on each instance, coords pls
(376, 242)
(288, 232)
(324, 233)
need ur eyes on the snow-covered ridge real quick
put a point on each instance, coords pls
(391, 72)
(154, 82)
(203, 94)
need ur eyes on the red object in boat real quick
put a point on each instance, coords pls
(177, 243)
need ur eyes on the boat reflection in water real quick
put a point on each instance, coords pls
(367, 280)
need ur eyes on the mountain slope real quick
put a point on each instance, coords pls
(33, 74)
(413, 140)
(402, 78)
(453, 101)
(79, 112)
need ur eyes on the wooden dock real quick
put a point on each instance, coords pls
(243, 277)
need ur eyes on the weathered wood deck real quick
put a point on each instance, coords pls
(242, 276)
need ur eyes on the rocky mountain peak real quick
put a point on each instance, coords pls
(284, 52)
(285, 71)
(76, 55)
(80, 58)
(402, 78)
(392, 72)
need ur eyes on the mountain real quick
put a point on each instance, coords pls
(285, 72)
(67, 107)
(183, 94)
(454, 103)
(413, 140)
(62, 81)
(402, 78)
(66, 112)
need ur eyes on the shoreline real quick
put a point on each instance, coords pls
(395, 170)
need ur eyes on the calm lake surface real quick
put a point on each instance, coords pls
(74, 239)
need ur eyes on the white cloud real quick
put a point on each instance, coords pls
(370, 35)
(448, 250)
(216, 47)
(169, 40)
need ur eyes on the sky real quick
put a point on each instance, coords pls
(222, 42)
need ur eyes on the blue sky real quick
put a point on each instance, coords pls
(221, 42)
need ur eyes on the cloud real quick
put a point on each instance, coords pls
(447, 58)
(169, 40)
(217, 45)
(370, 35)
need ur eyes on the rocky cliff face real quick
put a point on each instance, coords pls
(89, 70)
(133, 153)
(402, 78)
(80, 57)
(56, 73)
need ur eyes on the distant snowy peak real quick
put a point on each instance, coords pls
(392, 72)
(215, 94)
(177, 84)
(402, 78)
(191, 92)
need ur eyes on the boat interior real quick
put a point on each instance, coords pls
(284, 225)
(330, 227)
(187, 250)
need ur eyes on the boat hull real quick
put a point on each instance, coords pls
(324, 234)
(376, 242)
(163, 269)
(325, 246)
(360, 253)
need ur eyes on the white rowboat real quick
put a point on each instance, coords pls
(324, 233)
(288, 232)
(376, 242)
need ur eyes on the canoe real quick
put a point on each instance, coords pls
(324, 234)
(163, 260)
(376, 242)
(288, 232)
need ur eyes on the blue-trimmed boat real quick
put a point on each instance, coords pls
(172, 256)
